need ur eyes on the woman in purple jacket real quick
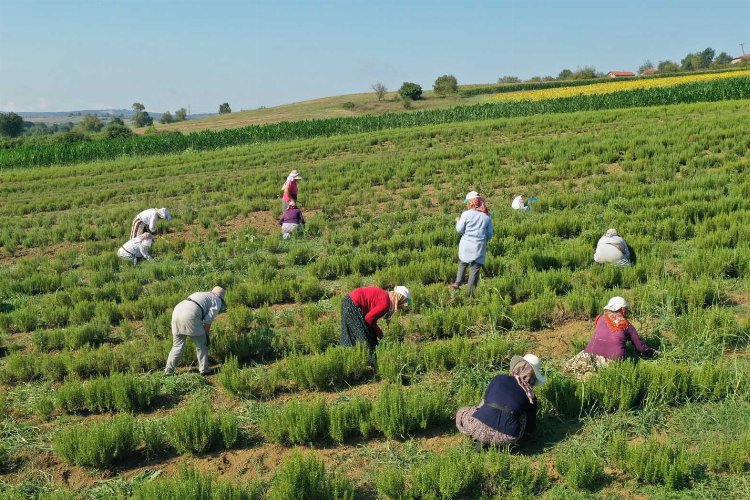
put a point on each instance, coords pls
(291, 219)
(612, 331)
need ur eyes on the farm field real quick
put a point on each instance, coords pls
(86, 413)
(614, 86)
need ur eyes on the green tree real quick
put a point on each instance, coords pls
(167, 117)
(380, 90)
(585, 73)
(565, 74)
(140, 116)
(410, 90)
(180, 115)
(224, 108)
(117, 121)
(647, 65)
(668, 66)
(11, 124)
(445, 84)
(117, 130)
(512, 79)
(723, 59)
(91, 123)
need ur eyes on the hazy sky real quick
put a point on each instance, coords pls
(90, 54)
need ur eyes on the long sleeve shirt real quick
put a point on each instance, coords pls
(134, 249)
(290, 191)
(374, 303)
(612, 249)
(476, 229)
(149, 217)
(291, 216)
(611, 343)
(504, 392)
(210, 305)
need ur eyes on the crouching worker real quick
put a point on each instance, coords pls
(291, 220)
(193, 318)
(508, 409)
(363, 307)
(612, 249)
(519, 203)
(145, 222)
(137, 248)
(612, 331)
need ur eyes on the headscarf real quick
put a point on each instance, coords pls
(615, 320)
(611, 232)
(524, 374)
(145, 239)
(478, 204)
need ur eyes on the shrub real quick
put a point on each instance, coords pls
(153, 437)
(350, 417)
(581, 468)
(397, 412)
(296, 422)
(410, 90)
(248, 382)
(455, 473)
(119, 392)
(323, 371)
(390, 483)
(446, 84)
(652, 462)
(191, 484)
(304, 476)
(195, 429)
(97, 445)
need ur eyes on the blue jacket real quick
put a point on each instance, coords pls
(476, 229)
(504, 391)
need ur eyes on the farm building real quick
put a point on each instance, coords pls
(742, 58)
(649, 72)
(620, 74)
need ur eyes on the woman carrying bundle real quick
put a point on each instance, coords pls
(612, 331)
(508, 409)
(363, 307)
(612, 249)
(475, 227)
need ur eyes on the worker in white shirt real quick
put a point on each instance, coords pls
(519, 203)
(137, 248)
(193, 318)
(146, 221)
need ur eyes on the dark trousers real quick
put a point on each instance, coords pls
(473, 275)
(354, 329)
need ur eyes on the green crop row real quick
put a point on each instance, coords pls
(117, 392)
(728, 88)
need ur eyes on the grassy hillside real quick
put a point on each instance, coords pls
(85, 335)
(326, 107)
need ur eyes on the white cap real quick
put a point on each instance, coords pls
(294, 175)
(219, 291)
(404, 292)
(616, 303)
(535, 363)
(470, 196)
(164, 213)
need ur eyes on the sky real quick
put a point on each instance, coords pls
(66, 55)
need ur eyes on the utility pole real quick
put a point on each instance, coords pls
(742, 46)
(188, 111)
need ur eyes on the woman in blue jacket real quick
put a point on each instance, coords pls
(508, 409)
(475, 227)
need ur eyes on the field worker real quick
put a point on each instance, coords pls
(612, 331)
(289, 189)
(519, 203)
(475, 227)
(612, 249)
(363, 307)
(192, 318)
(137, 248)
(291, 220)
(146, 221)
(508, 409)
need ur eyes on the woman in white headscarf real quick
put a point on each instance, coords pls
(137, 248)
(612, 249)
(363, 307)
(289, 189)
(475, 228)
(145, 222)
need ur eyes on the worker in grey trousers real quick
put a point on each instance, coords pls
(192, 318)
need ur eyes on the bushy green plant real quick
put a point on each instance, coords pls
(304, 476)
(581, 468)
(190, 484)
(249, 382)
(296, 422)
(153, 437)
(336, 365)
(121, 392)
(455, 473)
(350, 417)
(195, 428)
(98, 445)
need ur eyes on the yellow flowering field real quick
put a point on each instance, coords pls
(616, 85)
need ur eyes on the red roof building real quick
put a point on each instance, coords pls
(651, 71)
(620, 74)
